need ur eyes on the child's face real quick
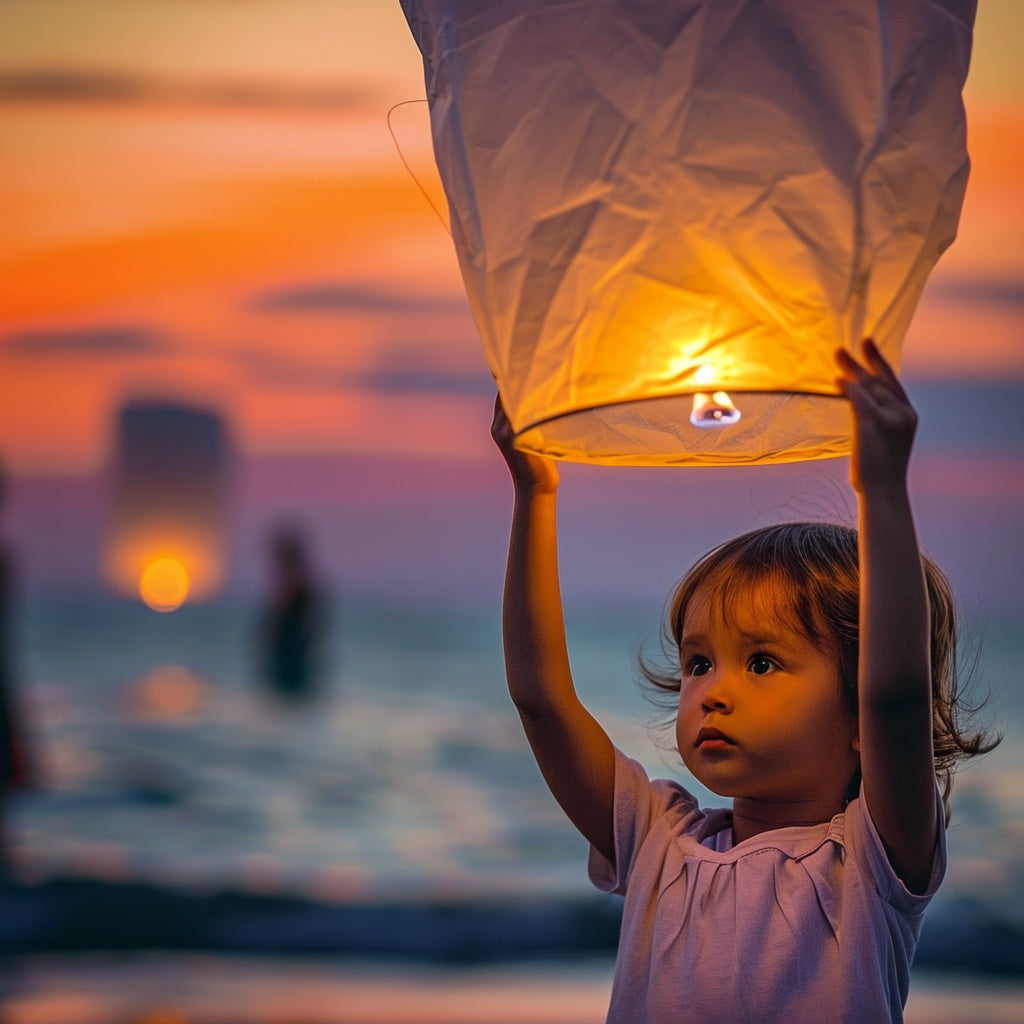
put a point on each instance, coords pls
(761, 709)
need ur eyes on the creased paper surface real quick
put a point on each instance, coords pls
(652, 199)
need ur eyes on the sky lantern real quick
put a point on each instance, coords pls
(669, 215)
(169, 492)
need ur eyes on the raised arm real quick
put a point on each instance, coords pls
(895, 672)
(573, 751)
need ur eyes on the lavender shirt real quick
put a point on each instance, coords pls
(800, 924)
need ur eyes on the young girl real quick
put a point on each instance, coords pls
(816, 689)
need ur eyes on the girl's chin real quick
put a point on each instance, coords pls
(718, 782)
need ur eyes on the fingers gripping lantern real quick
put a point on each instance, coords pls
(669, 213)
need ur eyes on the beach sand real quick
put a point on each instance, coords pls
(200, 989)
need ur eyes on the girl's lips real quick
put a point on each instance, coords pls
(713, 739)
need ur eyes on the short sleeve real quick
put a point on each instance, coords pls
(867, 843)
(639, 805)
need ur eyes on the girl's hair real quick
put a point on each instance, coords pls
(813, 568)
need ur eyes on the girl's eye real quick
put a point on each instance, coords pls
(697, 665)
(761, 665)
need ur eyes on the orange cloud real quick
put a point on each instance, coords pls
(273, 227)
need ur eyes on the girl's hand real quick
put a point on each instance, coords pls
(884, 421)
(530, 473)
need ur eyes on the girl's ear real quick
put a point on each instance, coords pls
(856, 743)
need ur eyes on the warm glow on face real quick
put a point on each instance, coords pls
(164, 584)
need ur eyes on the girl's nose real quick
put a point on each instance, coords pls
(716, 698)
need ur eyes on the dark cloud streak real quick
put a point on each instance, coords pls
(122, 341)
(331, 297)
(423, 381)
(450, 384)
(1001, 294)
(965, 415)
(73, 85)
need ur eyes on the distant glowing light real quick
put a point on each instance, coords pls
(167, 692)
(164, 584)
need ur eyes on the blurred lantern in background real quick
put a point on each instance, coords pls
(166, 541)
(669, 215)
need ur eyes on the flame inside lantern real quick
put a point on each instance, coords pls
(714, 408)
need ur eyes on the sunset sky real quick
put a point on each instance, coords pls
(203, 201)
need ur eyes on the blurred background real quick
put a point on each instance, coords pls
(253, 536)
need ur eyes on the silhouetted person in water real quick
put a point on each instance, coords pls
(14, 769)
(293, 620)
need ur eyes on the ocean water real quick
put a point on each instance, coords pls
(164, 761)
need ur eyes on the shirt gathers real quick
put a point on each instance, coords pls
(800, 924)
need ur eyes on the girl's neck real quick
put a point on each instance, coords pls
(751, 817)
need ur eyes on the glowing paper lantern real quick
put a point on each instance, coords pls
(668, 215)
(166, 541)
